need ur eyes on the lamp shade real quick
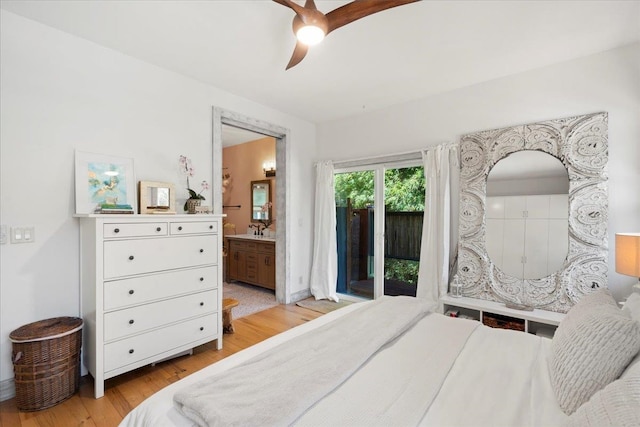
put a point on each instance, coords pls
(628, 254)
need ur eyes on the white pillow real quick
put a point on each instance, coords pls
(590, 349)
(618, 404)
(632, 306)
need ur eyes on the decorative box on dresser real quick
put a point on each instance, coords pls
(151, 288)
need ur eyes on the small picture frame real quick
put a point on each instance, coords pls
(103, 179)
(157, 197)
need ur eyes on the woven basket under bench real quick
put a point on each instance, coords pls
(502, 322)
(46, 362)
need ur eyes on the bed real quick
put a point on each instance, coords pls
(432, 370)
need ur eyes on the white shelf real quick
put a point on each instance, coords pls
(543, 317)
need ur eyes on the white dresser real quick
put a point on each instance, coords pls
(151, 288)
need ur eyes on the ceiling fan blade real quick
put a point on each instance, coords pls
(290, 4)
(359, 9)
(298, 54)
(310, 4)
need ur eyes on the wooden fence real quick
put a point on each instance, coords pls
(403, 233)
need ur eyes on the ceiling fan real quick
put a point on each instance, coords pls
(310, 25)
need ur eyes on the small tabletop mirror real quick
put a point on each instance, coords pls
(157, 197)
(260, 198)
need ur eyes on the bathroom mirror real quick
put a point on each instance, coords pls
(580, 143)
(527, 205)
(260, 200)
(156, 197)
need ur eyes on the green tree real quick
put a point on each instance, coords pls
(357, 186)
(404, 189)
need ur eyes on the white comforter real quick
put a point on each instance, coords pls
(442, 372)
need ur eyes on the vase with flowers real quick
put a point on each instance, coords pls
(195, 199)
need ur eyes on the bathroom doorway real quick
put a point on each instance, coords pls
(226, 123)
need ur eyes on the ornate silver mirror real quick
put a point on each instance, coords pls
(580, 145)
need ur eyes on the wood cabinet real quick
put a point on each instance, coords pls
(151, 289)
(252, 261)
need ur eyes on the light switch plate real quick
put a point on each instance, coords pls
(22, 234)
(16, 235)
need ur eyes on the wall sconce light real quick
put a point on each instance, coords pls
(269, 169)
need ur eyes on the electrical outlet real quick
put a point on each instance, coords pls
(3, 234)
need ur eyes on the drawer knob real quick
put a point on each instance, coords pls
(202, 328)
(130, 257)
(158, 229)
(202, 279)
(131, 351)
(117, 230)
(180, 228)
(131, 291)
(131, 322)
(211, 227)
(201, 250)
(201, 304)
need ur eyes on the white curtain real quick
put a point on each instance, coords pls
(439, 229)
(324, 266)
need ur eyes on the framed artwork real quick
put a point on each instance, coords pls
(103, 179)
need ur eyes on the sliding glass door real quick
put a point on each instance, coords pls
(379, 211)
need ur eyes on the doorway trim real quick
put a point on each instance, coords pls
(281, 135)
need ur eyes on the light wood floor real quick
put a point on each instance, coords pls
(125, 392)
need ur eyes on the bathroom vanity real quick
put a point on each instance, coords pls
(252, 259)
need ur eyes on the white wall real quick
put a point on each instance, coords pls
(608, 81)
(61, 93)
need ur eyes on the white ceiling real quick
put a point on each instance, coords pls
(232, 135)
(402, 54)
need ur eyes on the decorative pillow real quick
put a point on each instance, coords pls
(618, 404)
(590, 349)
(632, 306)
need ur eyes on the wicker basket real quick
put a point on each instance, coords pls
(502, 322)
(46, 362)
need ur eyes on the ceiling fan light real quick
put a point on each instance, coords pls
(310, 35)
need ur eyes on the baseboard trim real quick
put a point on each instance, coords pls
(7, 389)
(300, 295)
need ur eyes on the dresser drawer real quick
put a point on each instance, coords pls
(134, 349)
(147, 229)
(138, 290)
(134, 320)
(129, 257)
(181, 228)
